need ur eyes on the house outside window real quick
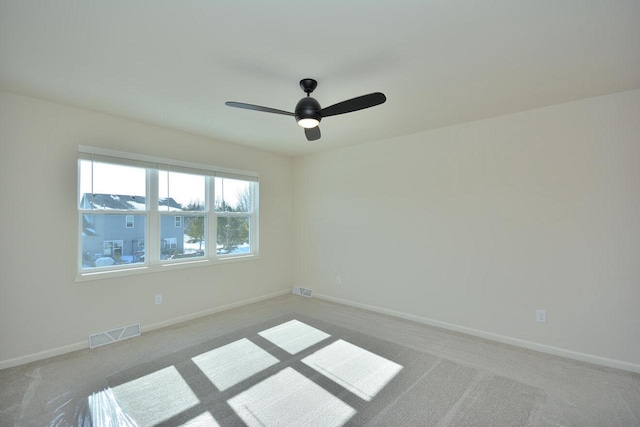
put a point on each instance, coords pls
(170, 243)
(110, 247)
(234, 207)
(108, 209)
(185, 193)
(127, 212)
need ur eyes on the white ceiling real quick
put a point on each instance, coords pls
(174, 63)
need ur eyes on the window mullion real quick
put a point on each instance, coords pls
(211, 222)
(152, 250)
(255, 209)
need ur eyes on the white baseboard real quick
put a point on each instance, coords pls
(203, 313)
(21, 360)
(543, 348)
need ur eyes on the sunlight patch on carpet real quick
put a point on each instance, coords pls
(156, 397)
(356, 369)
(202, 420)
(294, 336)
(290, 398)
(233, 363)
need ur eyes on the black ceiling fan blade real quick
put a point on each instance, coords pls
(354, 104)
(257, 108)
(312, 134)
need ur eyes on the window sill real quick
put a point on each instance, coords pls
(88, 276)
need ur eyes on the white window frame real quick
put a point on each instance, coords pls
(127, 222)
(153, 242)
(252, 215)
(177, 221)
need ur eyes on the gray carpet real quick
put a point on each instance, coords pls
(321, 368)
(312, 373)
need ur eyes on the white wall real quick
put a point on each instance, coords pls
(473, 226)
(478, 225)
(41, 307)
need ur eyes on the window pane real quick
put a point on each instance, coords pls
(233, 235)
(112, 187)
(232, 195)
(184, 241)
(106, 240)
(181, 192)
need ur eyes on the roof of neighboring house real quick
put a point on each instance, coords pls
(122, 202)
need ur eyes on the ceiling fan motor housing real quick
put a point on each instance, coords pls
(308, 108)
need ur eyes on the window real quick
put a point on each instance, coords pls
(169, 243)
(185, 193)
(233, 208)
(110, 247)
(128, 207)
(108, 193)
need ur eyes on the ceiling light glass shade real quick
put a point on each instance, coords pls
(308, 123)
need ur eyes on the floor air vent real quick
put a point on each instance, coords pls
(103, 338)
(302, 291)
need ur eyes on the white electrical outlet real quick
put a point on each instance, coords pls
(541, 316)
(158, 298)
(338, 280)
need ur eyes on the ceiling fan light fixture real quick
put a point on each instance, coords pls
(308, 112)
(308, 123)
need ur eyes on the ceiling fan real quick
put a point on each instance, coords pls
(308, 112)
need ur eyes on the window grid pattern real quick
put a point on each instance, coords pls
(155, 235)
